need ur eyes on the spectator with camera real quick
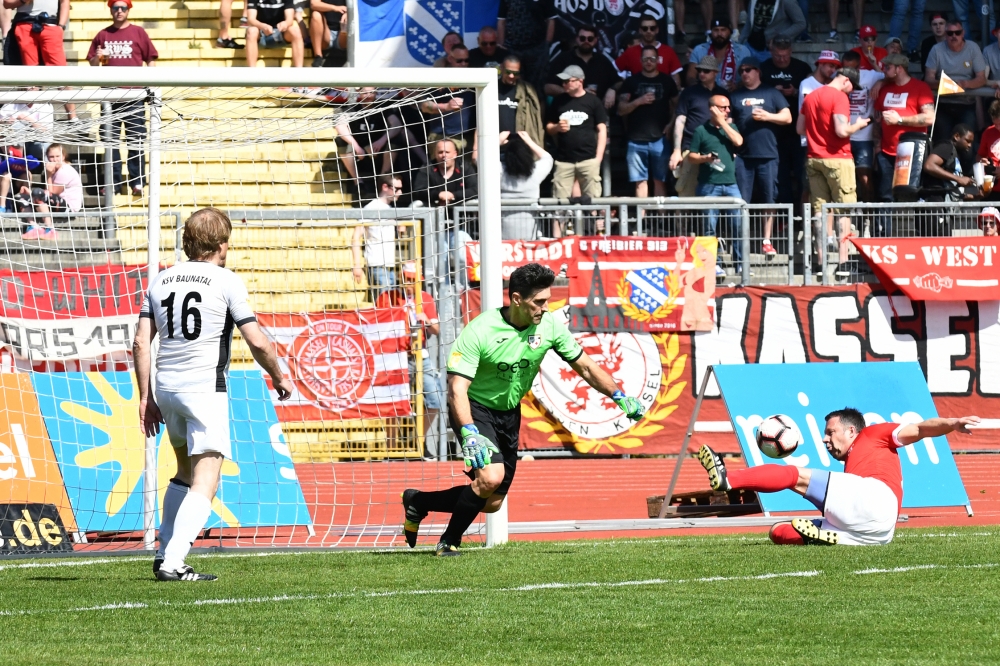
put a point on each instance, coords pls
(271, 24)
(647, 103)
(523, 167)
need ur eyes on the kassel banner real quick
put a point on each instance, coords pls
(956, 343)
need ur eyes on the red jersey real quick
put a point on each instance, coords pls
(880, 54)
(989, 145)
(818, 110)
(631, 60)
(397, 298)
(906, 101)
(874, 455)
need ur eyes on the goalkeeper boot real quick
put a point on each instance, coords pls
(184, 574)
(446, 550)
(411, 524)
(812, 532)
(716, 469)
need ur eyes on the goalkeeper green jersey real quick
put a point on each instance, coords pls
(501, 361)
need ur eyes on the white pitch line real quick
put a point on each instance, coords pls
(924, 567)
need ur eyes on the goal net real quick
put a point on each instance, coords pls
(346, 249)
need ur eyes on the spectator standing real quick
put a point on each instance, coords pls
(692, 112)
(989, 143)
(785, 74)
(379, 240)
(39, 27)
(452, 112)
(903, 104)
(449, 180)
(450, 40)
(647, 100)
(707, 11)
(579, 123)
(942, 178)
(124, 44)
(63, 192)
(520, 110)
(833, 9)
(939, 24)
(713, 149)
(914, 11)
(758, 111)
(600, 72)
(963, 61)
(825, 122)
(271, 25)
(524, 166)
(964, 11)
(327, 27)
(487, 53)
(224, 41)
(667, 62)
(526, 28)
(871, 55)
(826, 69)
(727, 54)
(862, 141)
(769, 20)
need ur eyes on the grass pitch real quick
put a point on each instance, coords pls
(933, 596)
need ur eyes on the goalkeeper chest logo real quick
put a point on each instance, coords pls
(332, 364)
(632, 359)
(423, 19)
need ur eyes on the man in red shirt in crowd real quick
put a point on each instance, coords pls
(989, 144)
(38, 28)
(825, 122)
(123, 44)
(631, 58)
(871, 55)
(902, 104)
(861, 504)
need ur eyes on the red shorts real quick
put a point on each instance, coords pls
(49, 42)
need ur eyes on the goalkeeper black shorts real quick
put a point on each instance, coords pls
(502, 428)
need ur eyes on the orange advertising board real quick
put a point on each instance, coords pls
(29, 473)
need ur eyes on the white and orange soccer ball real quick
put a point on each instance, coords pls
(778, 436)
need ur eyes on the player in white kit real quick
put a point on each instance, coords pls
(193, 306)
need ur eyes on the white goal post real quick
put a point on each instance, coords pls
(97, 84)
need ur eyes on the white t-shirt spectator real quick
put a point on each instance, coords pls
(862, 101)
(806, 87)
(525, 188)
(41, 114)
(380, 240)
(72, 193)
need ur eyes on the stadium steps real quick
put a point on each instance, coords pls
(369, 439)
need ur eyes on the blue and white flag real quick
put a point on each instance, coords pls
(408, 33)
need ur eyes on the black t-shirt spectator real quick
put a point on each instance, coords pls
(646, 122)
(369, 128)
(796, 72)
(508, 107)
(525, 22)
(693, 104)
(759, 138)
(936, 188)
(584, 114)
(479, 59)
(925, 50)
(599, 73)
(454, 123)
(271, 12)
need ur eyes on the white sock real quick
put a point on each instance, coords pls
(191, 518)
(171, 502)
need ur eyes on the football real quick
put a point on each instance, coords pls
(777, 436)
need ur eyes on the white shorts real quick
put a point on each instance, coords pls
(862, 510)
(198, 420)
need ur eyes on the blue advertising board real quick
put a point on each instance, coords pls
(93, 422)
(883, 392)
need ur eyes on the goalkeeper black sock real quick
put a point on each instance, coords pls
(467, 507)
(442, 501)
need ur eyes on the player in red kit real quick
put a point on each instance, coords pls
(861, 504)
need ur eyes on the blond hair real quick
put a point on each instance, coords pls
(205, 231)
(710, 243)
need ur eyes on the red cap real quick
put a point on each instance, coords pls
(868, 31)
(112, 3)
(989, 213)
(829, 56)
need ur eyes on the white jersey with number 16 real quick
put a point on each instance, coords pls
(195, 306)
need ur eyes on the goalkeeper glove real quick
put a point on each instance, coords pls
(632, 407)
(477, 451)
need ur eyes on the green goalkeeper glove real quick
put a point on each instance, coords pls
(476, 449)
(632, 407)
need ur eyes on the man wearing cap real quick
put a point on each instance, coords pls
(667, 62)
(727, 54)
(825, 122)
(123, 44)
(647, 100)
(827, 65)
(894, 45)
(862, 144)
(871, 55)
(758, 112)
(939, 23)
(902, 104)
(692, 112)
(901, 9)
(768, 20)
(963, 62)
(579, 124)
(989, 219)
(786, 74)
(599, 71)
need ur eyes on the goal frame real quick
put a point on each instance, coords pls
(109, 83)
